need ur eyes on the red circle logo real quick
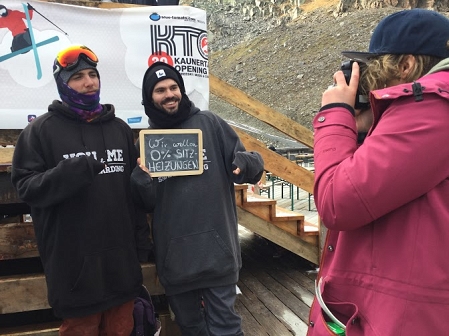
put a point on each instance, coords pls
(160, 56)
(202, 45)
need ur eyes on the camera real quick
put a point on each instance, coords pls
(361, 98)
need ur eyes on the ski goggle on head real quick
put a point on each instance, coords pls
(69, 58)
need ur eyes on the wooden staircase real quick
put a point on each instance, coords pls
(284, 227)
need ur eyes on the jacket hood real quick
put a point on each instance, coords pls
(442, 65)
(188, 109)
(435, 82)
(59, 109)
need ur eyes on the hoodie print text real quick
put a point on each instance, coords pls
(115, 162)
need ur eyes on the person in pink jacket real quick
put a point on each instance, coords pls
(384, 269)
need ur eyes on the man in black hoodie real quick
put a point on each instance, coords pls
(194, 223)
(72, 165)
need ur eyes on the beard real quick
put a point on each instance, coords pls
(159, 118)
(169, 110)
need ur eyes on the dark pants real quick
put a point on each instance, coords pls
(21, 41)
(207, 312)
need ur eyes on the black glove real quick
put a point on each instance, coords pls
(29, 6)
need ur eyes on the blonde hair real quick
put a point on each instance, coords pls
(383, 69)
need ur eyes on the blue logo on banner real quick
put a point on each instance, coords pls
(134, 120)
(155, 17)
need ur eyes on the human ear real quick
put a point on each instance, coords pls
(407, 65)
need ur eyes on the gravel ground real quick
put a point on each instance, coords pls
(286, 66)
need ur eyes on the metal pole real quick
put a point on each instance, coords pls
(34, 9)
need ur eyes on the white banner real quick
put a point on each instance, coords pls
(126, 41)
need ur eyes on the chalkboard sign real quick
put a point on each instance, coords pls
(172, 152)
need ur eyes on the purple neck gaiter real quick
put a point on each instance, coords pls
(87, 107)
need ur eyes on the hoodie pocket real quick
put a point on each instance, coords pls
(198, 256)
(105, 274)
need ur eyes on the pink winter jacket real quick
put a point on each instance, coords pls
(385, 264)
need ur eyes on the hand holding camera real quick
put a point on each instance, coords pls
(343, 91)
(361, 98)
(363, 113)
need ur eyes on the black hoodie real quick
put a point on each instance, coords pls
(75, 176)
(195, 217)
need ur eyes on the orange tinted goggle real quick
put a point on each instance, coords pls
(68, 58)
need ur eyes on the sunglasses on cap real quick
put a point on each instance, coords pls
(69, 58)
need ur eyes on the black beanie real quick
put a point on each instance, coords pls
(156, 73)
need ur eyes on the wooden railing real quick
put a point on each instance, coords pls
(279, 166)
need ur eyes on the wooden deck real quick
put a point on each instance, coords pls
(277, 292)
(277, 285)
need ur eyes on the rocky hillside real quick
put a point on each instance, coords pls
(286, 65)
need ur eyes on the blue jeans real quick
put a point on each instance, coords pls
(207, 312)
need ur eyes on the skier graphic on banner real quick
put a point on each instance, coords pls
(14, 21)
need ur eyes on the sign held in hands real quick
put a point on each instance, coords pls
(172, 152)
